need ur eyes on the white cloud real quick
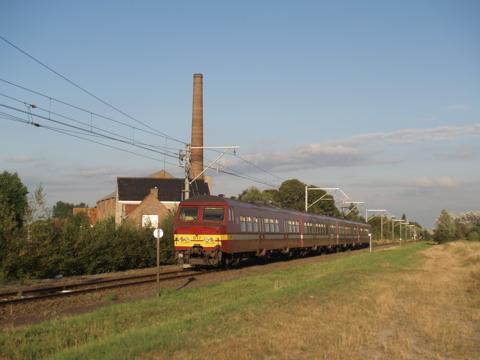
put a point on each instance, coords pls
(409, 136)
(353, 151)
(20, 159)
(460, 107)
(429, 182)
(456, 154)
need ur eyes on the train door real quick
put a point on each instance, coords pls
(302, 230)
(338, 233)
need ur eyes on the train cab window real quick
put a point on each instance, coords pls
(213, 214)
(231, 215)
(188, 213)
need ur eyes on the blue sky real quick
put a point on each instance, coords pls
(380, 98)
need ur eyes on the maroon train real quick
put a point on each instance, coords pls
(213, 230)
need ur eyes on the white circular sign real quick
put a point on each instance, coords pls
(158, 233)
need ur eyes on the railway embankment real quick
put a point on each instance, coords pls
(416, 301)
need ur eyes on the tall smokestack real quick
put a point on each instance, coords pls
(197, 126)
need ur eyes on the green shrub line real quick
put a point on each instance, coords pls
(179, 319)
(72, 247)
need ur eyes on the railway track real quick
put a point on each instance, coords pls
(84, 287)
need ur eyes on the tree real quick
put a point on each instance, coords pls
(467, 225)
(13, 207)
(64, 210)
(445, 230)
(38, 205)
(251, 194)
(291, 195)
(271, 196)
(13, 198)
(353, 214)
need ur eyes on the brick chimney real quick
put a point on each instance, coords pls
(197, 126)
(154, 192)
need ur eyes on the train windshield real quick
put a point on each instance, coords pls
(213, 213)
(188, 214)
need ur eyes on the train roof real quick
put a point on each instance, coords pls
(258, 205)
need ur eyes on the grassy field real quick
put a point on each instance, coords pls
(410, 302)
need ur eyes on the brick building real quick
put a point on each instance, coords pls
(146, 200)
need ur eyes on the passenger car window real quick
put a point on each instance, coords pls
(243, 226)
(188, 213)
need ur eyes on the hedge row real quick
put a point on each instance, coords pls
(73, 247)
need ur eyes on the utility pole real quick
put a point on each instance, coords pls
(381, 227)
(328, 191)
(381, 218)
(393, 223)
(186, 158)
(307, 188)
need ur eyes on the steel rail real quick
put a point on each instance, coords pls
(62, 291)
(36, 289)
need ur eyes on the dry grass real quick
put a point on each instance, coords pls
(429, 312)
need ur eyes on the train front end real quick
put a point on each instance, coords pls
(200, 231)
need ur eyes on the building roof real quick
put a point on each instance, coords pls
(109, 196)
(137, 188)
(162, 174)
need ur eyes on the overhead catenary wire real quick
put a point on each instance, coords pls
(90, 133)
(253, 164)
(90, 125)
(85, 130)
(259, 167)
(69, 133)
(85, 90)
(229, 171)
(89, 112)
(75, 135)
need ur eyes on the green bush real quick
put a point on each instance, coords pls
(473, 236)
(73, 247)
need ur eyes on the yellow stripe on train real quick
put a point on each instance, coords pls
(204, 240)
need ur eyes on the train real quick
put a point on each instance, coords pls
(218, 231)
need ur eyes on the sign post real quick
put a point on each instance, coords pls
(370, 236)
(158, 234)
